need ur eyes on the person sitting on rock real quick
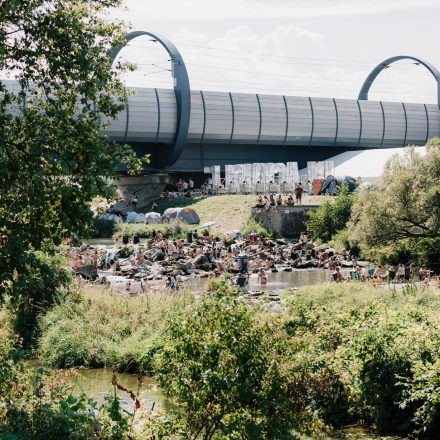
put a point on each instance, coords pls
(290, 201)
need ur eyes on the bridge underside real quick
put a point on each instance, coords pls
(195, 156)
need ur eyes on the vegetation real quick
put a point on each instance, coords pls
(331, 216)
(53, 159)
(174, 229)
(403, 210)
(34, 405)
(338, 354)
(95, 328)
(230, 373)
(231, 212)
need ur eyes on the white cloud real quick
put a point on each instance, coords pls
(248, 9)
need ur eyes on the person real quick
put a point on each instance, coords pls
(128, 288)
(290, 201)
(400, 272)
(144, 285)
(272, 200)
(184, 186)
(262, 279)
(179, 185)
(134, 200)
(424, 273)
(309, 187)
(170, 284)
(298, 193)
(391, 274)
(190, 184)
(279, 200)
(337, 276)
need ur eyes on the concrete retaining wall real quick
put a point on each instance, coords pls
(284, 221)
(147, 188)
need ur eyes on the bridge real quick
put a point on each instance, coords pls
(186, 130)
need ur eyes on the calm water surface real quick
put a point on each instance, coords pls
(97, 383)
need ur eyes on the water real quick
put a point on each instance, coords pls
(97, 383)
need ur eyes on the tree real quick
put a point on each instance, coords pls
(405, 203)
(53, 158)
(230, 374)
(331, 216)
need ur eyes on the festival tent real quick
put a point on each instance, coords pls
(331, 183)
(152, 218)
(135, 217)
(187, 215)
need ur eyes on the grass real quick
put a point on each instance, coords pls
(94, 328)
(231, 212)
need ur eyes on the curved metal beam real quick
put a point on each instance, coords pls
(181, 90)
(363, 94)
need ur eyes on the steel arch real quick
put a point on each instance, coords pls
(182, 91)
(363, 94)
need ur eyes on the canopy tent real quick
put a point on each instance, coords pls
(187, 215)
(331, 183)
(152, 218)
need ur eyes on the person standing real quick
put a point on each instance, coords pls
(190, 184)
(298, 193)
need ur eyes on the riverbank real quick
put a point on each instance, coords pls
(364, 350)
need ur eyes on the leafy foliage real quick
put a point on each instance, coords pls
(53, 157)
(332, 215)
(404, 205)
(230, 374)
(34, 405)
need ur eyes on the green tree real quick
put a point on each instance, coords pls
(53, 158)
(404, 206)
(331, 216)
(230, 374)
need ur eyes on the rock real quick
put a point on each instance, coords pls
(307, 264)
(87, 271)
(126, 268)
(184, 265)
(286, 269)
(363, 263)
(345, 263)
(124, 252)
(321, 248)
(158, 256)
(281, 241)
(178, 272)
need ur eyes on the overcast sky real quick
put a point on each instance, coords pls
(297, 47)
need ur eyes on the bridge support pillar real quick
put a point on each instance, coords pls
(147, 188)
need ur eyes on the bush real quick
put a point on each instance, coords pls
(331, 216)
(372, 345)
(175, 229)
(34, 405)
(230, 373)
(102, 228)
(253, 226)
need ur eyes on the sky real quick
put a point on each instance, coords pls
(294, 47)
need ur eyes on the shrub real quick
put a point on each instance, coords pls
(175, 229)
(253, 226)
(230, 373)
(331, 216)
(102, 228)
(35, 405)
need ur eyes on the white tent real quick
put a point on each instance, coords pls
(152, 218)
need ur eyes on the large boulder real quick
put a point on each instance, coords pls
(88, 271)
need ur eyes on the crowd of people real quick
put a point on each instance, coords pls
(163, 263)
